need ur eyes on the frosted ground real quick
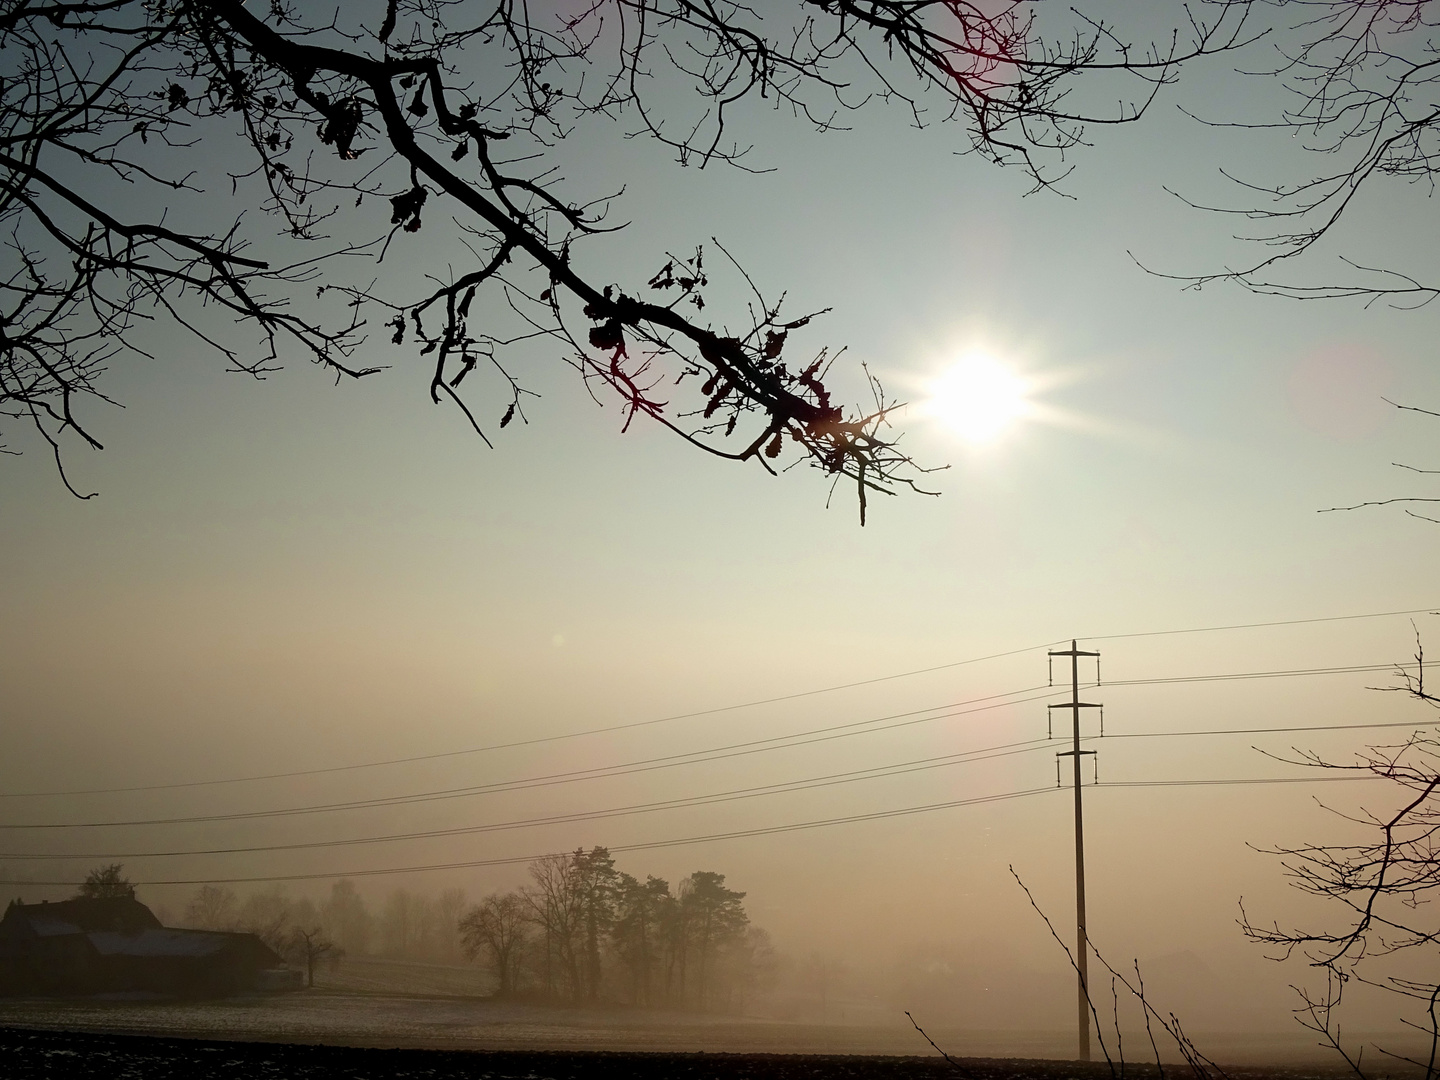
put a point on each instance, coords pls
(391, 1020)
(354, 1016)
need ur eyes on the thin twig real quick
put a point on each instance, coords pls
(931, 1041)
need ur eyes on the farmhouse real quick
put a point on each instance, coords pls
(117, 945)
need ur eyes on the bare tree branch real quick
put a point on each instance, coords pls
(125, 124)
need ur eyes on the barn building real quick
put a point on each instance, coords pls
(117, 945)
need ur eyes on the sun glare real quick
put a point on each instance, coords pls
(979, 397)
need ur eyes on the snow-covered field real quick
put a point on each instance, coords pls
(392, 1020)
(43, 1055)
(368, 1001)
(396, 1020)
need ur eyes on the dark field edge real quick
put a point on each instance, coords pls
(27, 1053)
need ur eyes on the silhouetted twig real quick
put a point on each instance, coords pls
(1099, 1036)
(932, 1042)
(1148, 1030)
(1201, 1065)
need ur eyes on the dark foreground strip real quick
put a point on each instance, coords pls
(27, 1054)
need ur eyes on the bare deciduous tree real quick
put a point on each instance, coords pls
(212, 907)
(267, 915)
(1387, 936)
(1406, 502)
(821, 974)
(1361, 91)
(309, 945)
(408, 924)
(751, 968)
(573, 903)
(495, 929)
(554, 906)
(130, 128)
(450, 905)
(346, 919)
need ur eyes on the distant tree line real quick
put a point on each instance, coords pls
(407, 926)
(580, 931)
(583, 931)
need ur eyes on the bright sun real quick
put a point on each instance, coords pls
(979, 397)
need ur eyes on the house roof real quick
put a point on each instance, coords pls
(54, 927)
(123, 927)
(161, 942)
(81, 915)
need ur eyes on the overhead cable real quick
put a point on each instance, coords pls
(811, 736)
(666, 761)
(1430, 610)
(901, 768)
(635, 724)
(736, 834)
(782, 788)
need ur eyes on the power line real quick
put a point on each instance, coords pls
(754, 746)
(780, 742)
(1235, 782)
(1291, 673)
(986, 753)
(644, 846)
(632, 725)
(878, 772)
(1431, 610)
(536, 741)
(1263, 731)
(736, 834)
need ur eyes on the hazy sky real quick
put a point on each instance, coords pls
(290, 575)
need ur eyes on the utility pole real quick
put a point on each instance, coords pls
(1082, 948)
